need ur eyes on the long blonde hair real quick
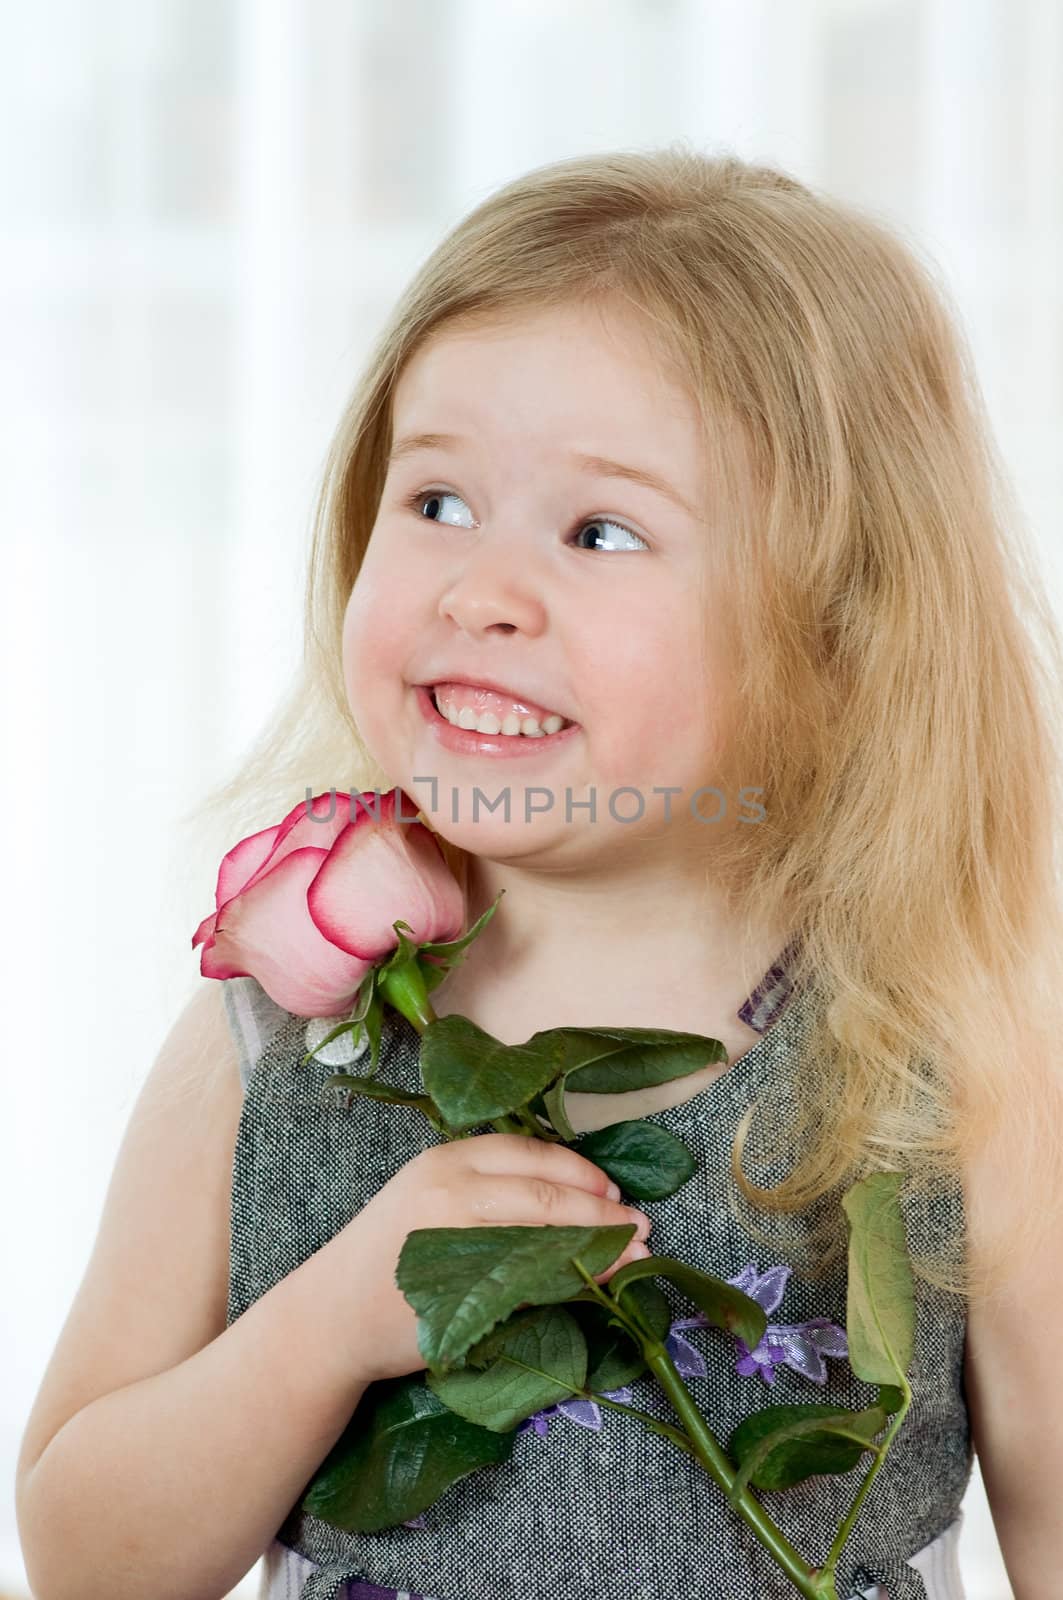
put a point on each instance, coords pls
(897, 662)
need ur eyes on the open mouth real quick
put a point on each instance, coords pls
(489, 734)
(512, 725)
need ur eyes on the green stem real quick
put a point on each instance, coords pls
(813, 1583)
(663, 1428)
(719, 1467)
(861, 1494)
(404, 988)
(676, 1435)
(507, 1125)
(530, 1124)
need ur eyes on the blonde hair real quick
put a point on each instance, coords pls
(897, 662)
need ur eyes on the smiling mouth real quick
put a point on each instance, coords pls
(491, 724)
(475, 742)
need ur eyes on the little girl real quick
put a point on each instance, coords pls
(662, 555)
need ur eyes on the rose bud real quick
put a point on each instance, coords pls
(306, 907)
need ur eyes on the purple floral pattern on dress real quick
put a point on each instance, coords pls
(798, 1345)
(585, 1412)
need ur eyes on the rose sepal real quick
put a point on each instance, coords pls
(451, 952)
(367, 1013)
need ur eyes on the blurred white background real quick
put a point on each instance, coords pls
(207, 207)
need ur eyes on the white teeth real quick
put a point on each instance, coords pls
(488, 722)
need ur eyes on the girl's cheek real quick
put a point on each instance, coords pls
(362, 663)
(351, 644)
(376, 661)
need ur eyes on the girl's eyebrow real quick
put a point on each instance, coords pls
(601, 466)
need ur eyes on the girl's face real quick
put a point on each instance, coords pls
(513, 553)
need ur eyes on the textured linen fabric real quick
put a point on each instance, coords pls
(609, 1512)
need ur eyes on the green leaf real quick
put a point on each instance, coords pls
(462, 1281)
(613, 1357)
(484, 1351)
(401, 1449)
(724, 1305)
(890, 1399)
(473, 1077)
(372, 1089)
(538, 1361)
(647, 1161)
(554, 1107)
(880, 1313)
(617, 1060)
(781, 1445)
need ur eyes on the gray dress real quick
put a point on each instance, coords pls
(590, 1506)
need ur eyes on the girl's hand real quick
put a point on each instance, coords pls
(492, 1180)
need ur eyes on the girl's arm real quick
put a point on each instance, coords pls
(1014, 1394)
(164, 1449)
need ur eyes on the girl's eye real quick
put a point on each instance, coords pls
(610, 544)
(425, 497)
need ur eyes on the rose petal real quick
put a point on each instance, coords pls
(267, 933)
(378, 874)
(317, 825)
(240, 864)
(205, 931)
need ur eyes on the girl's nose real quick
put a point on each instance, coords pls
(491, 594)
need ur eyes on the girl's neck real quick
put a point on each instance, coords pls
(593, 971)
(559, 953)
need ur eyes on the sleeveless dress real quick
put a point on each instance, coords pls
(591, 1506)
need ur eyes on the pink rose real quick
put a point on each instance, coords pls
(306, 907)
